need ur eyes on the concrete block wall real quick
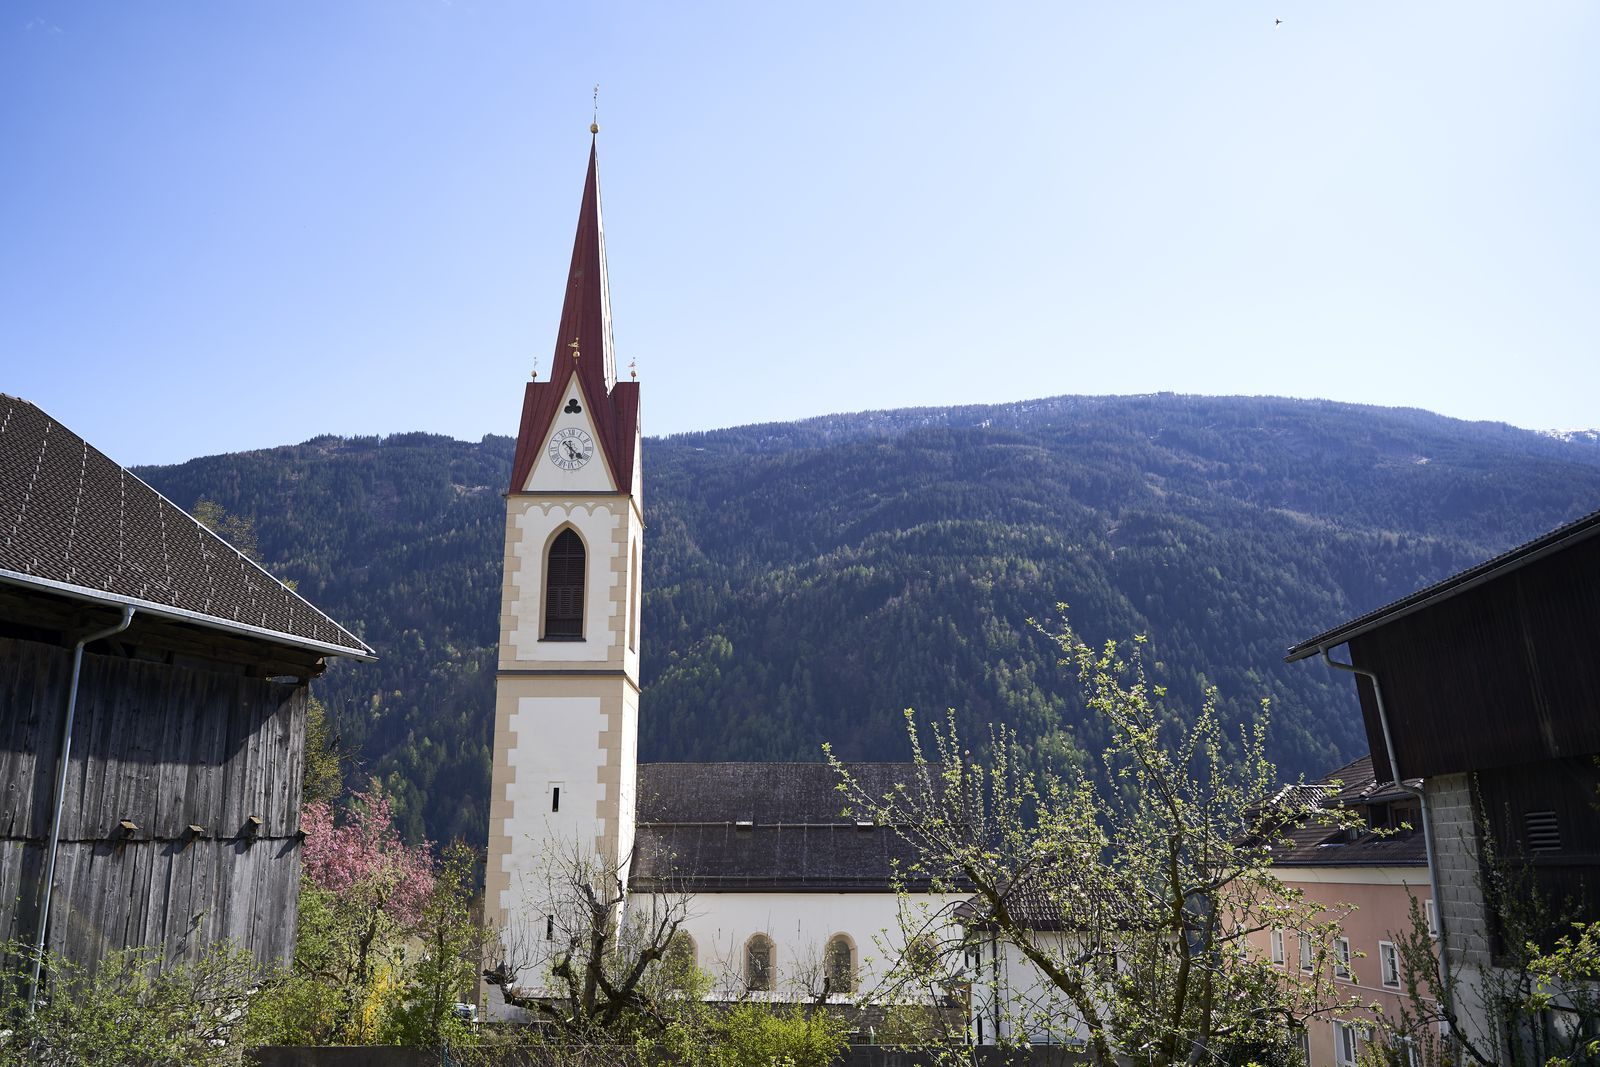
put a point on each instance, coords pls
(1462, 909)
(1455, 837)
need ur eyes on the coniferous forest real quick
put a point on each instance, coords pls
(805, 582)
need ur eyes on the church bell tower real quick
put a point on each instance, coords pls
(567, 686)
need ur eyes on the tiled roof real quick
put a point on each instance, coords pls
(1037, 905)
(1358, 784)
(1322, 846)
(1314, 844)
(704, 827)
(75, 523)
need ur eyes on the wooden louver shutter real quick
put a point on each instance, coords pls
(563, 595)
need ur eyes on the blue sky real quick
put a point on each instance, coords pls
(237, 225)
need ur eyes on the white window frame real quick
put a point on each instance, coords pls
(1356, 1033)
(1388, 965)
(1430, 911)
(1277, 948)
(1342, 959)
(1307, 957)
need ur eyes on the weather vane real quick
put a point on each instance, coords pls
(594, 123)
(535, 368)
(573, 344)
(633, 369)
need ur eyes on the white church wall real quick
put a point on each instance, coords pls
(800, 926)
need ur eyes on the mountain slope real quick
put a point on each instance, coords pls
(806, 581)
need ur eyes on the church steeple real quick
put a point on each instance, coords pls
(586, 308)
(585, 351)
(567, 687)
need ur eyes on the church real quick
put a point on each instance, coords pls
(779, 894)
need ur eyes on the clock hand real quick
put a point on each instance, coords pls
(572, 450)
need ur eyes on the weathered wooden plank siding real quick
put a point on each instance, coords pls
(165, 747)
(1504, 674)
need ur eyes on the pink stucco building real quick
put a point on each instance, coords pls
(1370, 876)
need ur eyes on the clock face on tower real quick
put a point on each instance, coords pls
(570, 448)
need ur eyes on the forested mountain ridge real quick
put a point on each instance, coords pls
(805, 581)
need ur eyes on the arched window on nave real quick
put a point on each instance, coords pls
(758, 961)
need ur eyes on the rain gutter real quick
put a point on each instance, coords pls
(47, 887)
(1422, 799)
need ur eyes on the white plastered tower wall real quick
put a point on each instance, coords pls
(566, 711)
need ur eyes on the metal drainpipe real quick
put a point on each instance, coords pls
(1422, 799)
(47, 887)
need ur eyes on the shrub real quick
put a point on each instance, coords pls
(131, 1011)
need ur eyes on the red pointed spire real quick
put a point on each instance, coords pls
(586, 320)
(586, 310)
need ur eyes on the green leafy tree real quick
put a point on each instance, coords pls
(324, 771)
(443, 970)
(238, 530)
(1132, 892)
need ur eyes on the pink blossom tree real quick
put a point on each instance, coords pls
(363, 855)
(363, 892)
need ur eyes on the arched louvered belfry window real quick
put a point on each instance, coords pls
(563, 590)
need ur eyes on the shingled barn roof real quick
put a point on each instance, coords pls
(731, 827)
(76, 524)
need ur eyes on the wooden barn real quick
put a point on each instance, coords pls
(1482, 695)
(153, 690)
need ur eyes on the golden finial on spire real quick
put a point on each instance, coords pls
(633, 369)
(594, 123)
(535, 368)
(573, 344)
